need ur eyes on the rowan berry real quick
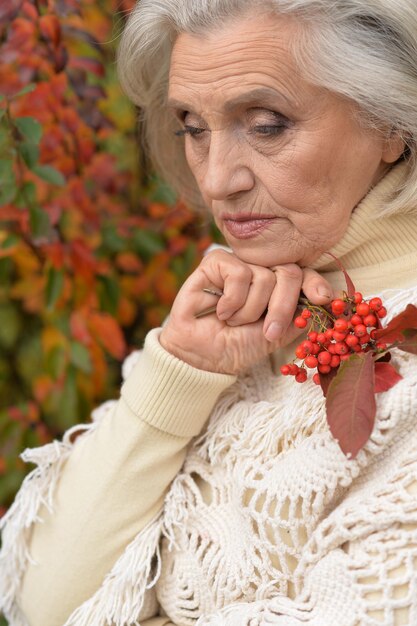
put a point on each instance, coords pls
(299, 352)
(340, 325)
(305, 314)
(352, 340)
(324, 358)
(285, 370)
(313, 336)
(307, 346)
(381, 346)
(369, 320)
(362, 309)
(357, 298)
(300, 322)
(364, 339)
(301, 377)
(315, 349)
(335, 362)
(341, 348)
(373, 333)
(311, 361)
(324, 369)
(382, 312)
(294, 369)
(331, 348)
(316, 379)
(375, 304)
(356, 319)
(345, 357)
(322, 338)
(338, 336)
(338, 306)
(360, 330)
(357, 348)
(329, 333)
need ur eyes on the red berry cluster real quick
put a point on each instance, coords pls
(349, 327)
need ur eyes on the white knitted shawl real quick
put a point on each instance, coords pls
(267, 522)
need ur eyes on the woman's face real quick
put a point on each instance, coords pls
(280, 163)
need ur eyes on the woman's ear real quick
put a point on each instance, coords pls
(394, 147)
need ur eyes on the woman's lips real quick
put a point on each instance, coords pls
(245, 228)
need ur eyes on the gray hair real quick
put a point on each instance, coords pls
(365, 50)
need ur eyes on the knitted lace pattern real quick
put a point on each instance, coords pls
(267, 522)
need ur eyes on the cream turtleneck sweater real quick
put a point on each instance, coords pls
(259, 520)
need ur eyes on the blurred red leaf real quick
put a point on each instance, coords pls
(108, 332)
(88, 64)
(50, 29)
(9, 9)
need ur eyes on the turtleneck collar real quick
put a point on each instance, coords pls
(379, 252)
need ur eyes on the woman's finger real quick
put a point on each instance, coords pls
(316, 288)
(262, 285)
(233, 277)
(283, 301)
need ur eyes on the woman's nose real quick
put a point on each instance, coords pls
(227, 173)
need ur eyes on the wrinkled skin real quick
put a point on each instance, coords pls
(281, 164)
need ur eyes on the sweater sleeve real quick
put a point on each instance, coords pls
(81, 538)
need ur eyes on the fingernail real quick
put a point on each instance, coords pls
(273, 332)
(324, 293)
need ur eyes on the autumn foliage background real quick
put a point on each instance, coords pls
(92, 250)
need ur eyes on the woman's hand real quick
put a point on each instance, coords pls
(238, 335)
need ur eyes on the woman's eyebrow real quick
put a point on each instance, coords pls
(261, 95)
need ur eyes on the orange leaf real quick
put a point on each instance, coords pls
(106, 329)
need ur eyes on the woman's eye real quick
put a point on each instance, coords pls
(189, 130)
(268, 130)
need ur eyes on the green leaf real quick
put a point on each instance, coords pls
(54, 287)
(9, 242)
(10, 326)
(49, 174)
(6, 171)
(68, 412)
(8, 192)
(147, 243)
(29, 128)
(109, 294)
(26, 196)
(27, 89)
(39, 222)
(80, 357)
(29, 153)
(56, 362)
(350, 403)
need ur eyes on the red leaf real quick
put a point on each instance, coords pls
(350, 403)
(50, 29)
(394, 330)
(410, 342)
(326, 379)
(89, 65)
(349, 284)
(9, 9)
(386, 376)
(108, 332)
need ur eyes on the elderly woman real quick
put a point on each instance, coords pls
(213, 491)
